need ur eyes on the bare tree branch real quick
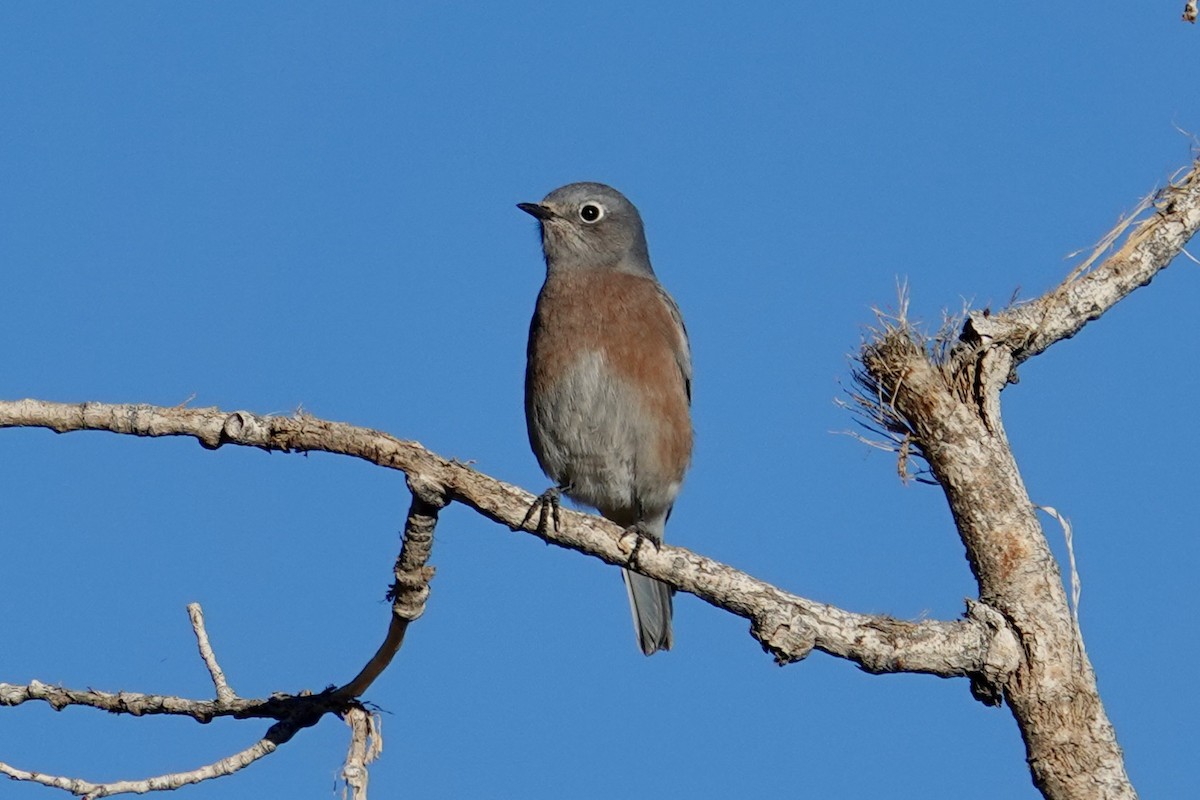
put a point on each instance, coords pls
(366, 744)
(293, 713)
(137, 704)
(224, 693)
(160, 783)
(980, 647)
(786, 625)
(1029, 328)
(945, 397)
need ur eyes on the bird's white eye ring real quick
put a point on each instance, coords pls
(591, 212)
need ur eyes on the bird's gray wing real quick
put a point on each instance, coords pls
(683, 350)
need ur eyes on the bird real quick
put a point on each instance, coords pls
(608, 380)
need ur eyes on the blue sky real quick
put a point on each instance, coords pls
(279, 205)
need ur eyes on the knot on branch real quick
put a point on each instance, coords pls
(56, 697)
(983, 363)
(410, 591)
(1001, 658)
(232, 429)
(785, 636)
(427, 491)
(982, 332)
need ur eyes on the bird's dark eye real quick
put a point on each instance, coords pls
(591, 212)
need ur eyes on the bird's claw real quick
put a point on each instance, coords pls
(638, 531)
(552, 499)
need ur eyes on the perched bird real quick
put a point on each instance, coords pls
(608, 382)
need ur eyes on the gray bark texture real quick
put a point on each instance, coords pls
(942, 400)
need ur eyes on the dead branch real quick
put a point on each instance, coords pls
(160, 783)
(366, 743)
(787, 626)
(1164, 224)
(224, 693)
(980, 647)
(293, 713)
(947, 397)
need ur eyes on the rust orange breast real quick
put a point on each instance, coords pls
(625, 318)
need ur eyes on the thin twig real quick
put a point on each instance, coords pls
(224, 693)
(174, 780)
(292, 715)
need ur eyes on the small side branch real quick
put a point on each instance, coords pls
(410, 590)
(138, 704)
(160, 783)
(1172, 217)
(224, 693)
(293, 714)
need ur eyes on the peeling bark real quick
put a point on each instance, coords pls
(948, 407)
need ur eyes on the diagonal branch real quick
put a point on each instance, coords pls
(1157, 237)
(787, 626)
(224, 693)
(293, 714)
(159, 783)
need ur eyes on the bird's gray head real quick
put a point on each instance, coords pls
(590, 225)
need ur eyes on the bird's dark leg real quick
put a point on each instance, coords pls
(641, 534)
(550, 499)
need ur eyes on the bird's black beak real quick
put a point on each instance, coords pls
(536, 209)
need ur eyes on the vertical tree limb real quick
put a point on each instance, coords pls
(365, 746)
(946, 399)
(410, 590)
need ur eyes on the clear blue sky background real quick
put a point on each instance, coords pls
(273, 205)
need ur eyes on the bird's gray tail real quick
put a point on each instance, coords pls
(650, 601)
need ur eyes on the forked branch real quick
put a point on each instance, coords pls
(945, 397)
(293, 714)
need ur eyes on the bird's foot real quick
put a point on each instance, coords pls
(641, 536)
(546, 507)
